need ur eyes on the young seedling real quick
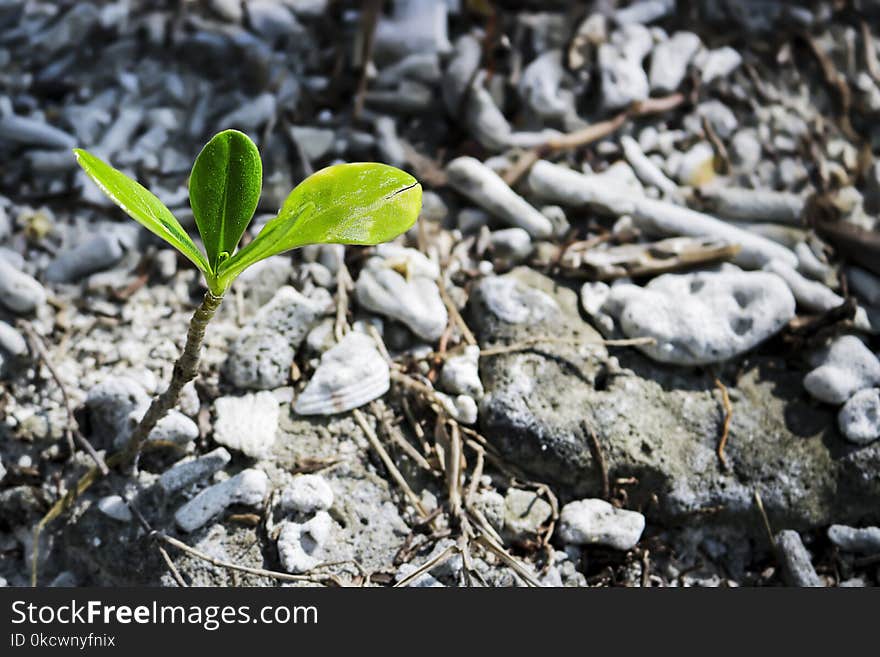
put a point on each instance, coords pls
(360, 203)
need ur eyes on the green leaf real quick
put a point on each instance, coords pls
(360, 203)
(141, 205)
(224, 188)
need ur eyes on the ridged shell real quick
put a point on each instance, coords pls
(350, 374)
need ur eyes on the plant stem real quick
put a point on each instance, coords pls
(185, 370)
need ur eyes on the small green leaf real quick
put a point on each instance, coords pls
(360, 203)
(224, 188)
(141, 205)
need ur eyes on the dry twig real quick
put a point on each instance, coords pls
(725, 429)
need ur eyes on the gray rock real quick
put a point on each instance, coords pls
(644, 11)
(173, 429)
(97, 254)
(841, 370)
(851, 539)
(524, 514)
(484, 187)
(514, 303)
(670, 60)
(424, 581)
(661, 425)
(306, 494)
(186, 473)
(262, 354)
(539, 87)
(511, 245)
(797, 568)
(460, 71)
(460, 374)
(110, 404)
(859, 418)
(248, 487)
(865, 284)
(763, 205)
(272, 20)
(704, 317)
(390, 147)
(596, 522)
(719, 116)
(254, 113)
(301, 545)
(415, 302)
(247, 424)
(34, 132)
(19, 292)
(746, 149)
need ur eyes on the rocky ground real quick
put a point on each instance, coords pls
(631, 340)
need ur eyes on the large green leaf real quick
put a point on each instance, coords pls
(360, 203)
(141, 205)
(224, 189)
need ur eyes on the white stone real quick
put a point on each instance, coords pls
(247, 424)
(596, 522)
(670, 60)
(248, 487)
(484, 187)
(623, 79)
(514, 303)
(841, 370)
(461, 408)
(20, 293)
(851, 539)
(705, 317)
(859, 418)
(113, 506)
(350, 374)
(415, 302)
(460, 375)
(300, 545)
(512, 245)
(307, 493)
(718, 63)
(811, 295)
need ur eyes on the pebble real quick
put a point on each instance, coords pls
(514, 303)
(350, 374)
(841, 370)
(173, 429)
(273, 20)
(596, 522)
(97, 254)
(415, 302)
(314, 142)
(423, 581)
(696, 167)
(746, 149)
(300, 544)
(20, 293)
(111, 403)
(644, 11)
(113, 506)
(797, 568)
(810, 264)
(719, 63)
(647, 171)
(539, 87)
(670, 60)
(12, 343)
(512, 245)
(187, 473)
(865, 284)
(704, 317)
(811, 295)
(720, 117)
(460, 374)
(262, 354)
(251, 115)
(851, 539)
(391, 149)
(859, 418)
(624, 81)
(484, 187)
(414, 27)
(307, 493)
(462, 408)
(524, 514)
(34, 132)
(247, 424)
(248, 487)
(763, 205)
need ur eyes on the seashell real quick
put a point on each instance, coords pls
(350, 374)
